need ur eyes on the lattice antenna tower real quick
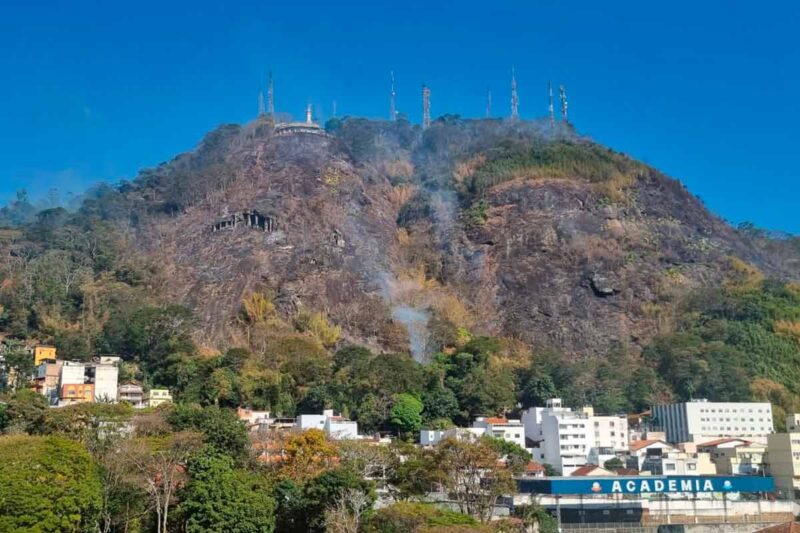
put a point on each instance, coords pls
(270, 97)
(392, 94)
(426, 106)
(562, 92)
(261, 109)
(551, 111)
(309, 114)
(488, 103)
(514, 97)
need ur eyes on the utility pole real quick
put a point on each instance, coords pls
(563, 95)
(392, 94)
(270, 97)
(488, 103)
(551, 112)
(514, 97)
(426, 107)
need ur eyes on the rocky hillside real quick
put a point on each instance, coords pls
(403, 236)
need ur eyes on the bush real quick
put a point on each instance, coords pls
(404, 517)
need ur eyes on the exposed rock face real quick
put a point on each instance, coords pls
(554, 264)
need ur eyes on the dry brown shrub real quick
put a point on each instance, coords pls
(399, 168)
(790, 328)
(467, 168)
(744, 276)
(401, 194)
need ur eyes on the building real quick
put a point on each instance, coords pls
(656, 457)
(702, 421)
(567, 439)
(431, 437)
(736, 457)
(502, 428)
(783, 457)
(131, 393)
(253, 418)
(47, 378)
(43, 353)
(335, 427)
(591, 470)
(72, 393)
(155, 397)
(105, 378)
(72, 373)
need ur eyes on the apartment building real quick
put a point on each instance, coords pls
(335, 427)
(155, 397)
(783, 457)
(502, 428)
(736, 457)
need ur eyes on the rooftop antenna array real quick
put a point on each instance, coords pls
(562, 92)
(488, 103)
(426, 107)
(392, 109)
(514, 97)
(551, 112)
(261, 109)
(270, 97)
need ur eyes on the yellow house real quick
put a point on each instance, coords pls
(43, 353)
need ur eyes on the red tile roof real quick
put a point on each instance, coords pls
(585, 470)
(495, 420)
(534, 467)
(639, 444)
(715, 443)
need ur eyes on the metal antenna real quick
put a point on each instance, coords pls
(550, 109)
(308, 114)
(270, 97)
(334, 109)
(514, 97)
(392, 109)
(562, 92)
(261, 110)
(488, 103)
(426, 107)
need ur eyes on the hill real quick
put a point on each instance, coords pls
(384, 235)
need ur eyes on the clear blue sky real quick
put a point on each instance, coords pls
(705, 90)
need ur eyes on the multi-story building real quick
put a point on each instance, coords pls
(72, 373)
(131, 393)
(47, 380)
(431, 437)
(155, 397)
(43, 353)
(502, 428)
(783, 457)
(656, 457)
(335, 427)
(567, 439)
(105, 378)
(702, 421)
(736, 457)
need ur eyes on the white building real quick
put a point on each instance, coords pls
(701, 421)
(431, 437)
(105, 378)
(335, 427)
(656, 457)
(783, 457)
(72, 373)
(502, 428)
(567, 439)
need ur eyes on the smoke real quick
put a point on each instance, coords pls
(416, 322)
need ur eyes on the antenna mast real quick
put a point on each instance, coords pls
(488, 103)
(308, 114)
(261, 110)
(270, 97)
(334, 109)
(392, 109)
(550, 109)
(514, 97)
(562, 92)
(426, 107)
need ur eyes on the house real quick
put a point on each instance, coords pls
(335, 427)
(657, 457)
(73, 393)
(591, 470)
(47, 378)
(155, 397)
(736, 457)
(431, 437)
(131, 393)
(502, 428)
(43, 353)
(534, 469)
(252, 418)
(105, 378)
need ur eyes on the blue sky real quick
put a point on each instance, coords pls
(706, 91)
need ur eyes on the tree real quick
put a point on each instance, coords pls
(306, 455)
(160, 466)
(221, 428)
(406, 414)
(47, 484)
(220, 499)
(347, 513)
(469, 470)
(516, 458)
(26, 412)
(613, 464)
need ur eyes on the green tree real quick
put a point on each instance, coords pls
(47, 484)
(613, 464)
(220, 499)
(26, 411)
(406, 414)
(221, 428)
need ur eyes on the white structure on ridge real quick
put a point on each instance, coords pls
(502, 428)
(568, 439)
(701, 421)
(335, 427)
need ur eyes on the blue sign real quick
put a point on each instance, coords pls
(646, 484)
